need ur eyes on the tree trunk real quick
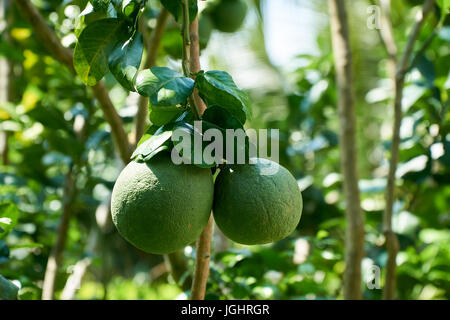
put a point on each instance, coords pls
(402, 68)
(354, 238)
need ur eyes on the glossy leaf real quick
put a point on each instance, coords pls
(445, 7)
(8, 290)
(160, 116)
(164, 86)
(4, 251)
(426, 68)
(100, 5)
(130, 10)
(218, 88)
(128, 7)
(157, 139)
(93, 48)
(125, 59)
(152, 144)
(221, 117)
(194, 149)
(151, 130)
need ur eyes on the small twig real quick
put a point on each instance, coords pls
(153, 42)
(202, 258)
(45, 34)
(70, 193)
(118, 133)
(186, 40)
(186, 56)
(387, 36)
(194, 62)
(55, 257)
(404, 60)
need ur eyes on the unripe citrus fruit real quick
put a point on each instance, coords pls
(228, 15)
(161, 207)
(253, 208)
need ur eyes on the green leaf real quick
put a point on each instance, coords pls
(426, 68)
(8, 218)
(445, 158)
(27, 245)
(125, 59)
(218, 88)
(164, 86)
(156, 138)
(8, 291)
(178, 145)
(175, 7)
(100, 5)
(152, 145)
(445, 8)
(4, 251)
(93, 48)
(89, 15)
(160, 116)
(148, 133)
(10, 51)
(128, 7)
(221, 117)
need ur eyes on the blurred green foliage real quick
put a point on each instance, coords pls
(47, 104)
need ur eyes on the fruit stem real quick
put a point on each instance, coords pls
(186, 39)
(186, 53)
(191, 50)
(202, 257)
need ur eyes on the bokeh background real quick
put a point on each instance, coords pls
(282, 57)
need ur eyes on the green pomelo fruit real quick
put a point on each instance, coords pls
(160, 207)
(228, 15)
(253, 208)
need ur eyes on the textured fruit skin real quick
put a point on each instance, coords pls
(251, 208)
(228, 15)
(160, 207)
